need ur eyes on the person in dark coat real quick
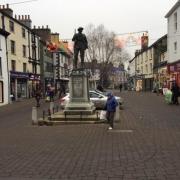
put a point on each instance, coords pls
(38, 96)
(120, 87)
(100, 88)
(110, 107)
(175, 93)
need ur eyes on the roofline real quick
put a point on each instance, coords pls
(17, 21)
(173, 9)
(149, 47)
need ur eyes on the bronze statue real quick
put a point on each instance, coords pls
(80, 45)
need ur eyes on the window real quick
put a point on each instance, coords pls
(13, 65)
(23, 33)
(11, 26)
(33, 38)
(0, 67)
(24, 51)
(175, 47)
(13, 49)
(33, 53)
(150, 67)
(150, 54)
(175, 21)
(1, 92)
(146, 68)
(24, 67)
(0, 44)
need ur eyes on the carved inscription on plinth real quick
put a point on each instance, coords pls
(77, 85)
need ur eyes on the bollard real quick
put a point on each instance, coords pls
(34, 116)
(49, 114)
(44, 113)
(97, 115)
(51, 106)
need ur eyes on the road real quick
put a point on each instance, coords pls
(145, 144)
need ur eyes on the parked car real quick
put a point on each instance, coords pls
(97, 97)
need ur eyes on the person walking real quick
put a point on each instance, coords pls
(110, 107)
(175, 93)
(38, 96)
(120, 87)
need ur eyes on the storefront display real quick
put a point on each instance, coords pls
(1, 92)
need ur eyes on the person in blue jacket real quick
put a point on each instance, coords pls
(110, 107)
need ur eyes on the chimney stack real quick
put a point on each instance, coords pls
(25, 19)
(6, 10)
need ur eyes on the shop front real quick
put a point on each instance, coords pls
(174, 73)
(1, 92)
(34, 82)
(18, 85)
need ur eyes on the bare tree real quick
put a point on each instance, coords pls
(101, 47)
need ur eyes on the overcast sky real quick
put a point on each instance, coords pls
(120, 16)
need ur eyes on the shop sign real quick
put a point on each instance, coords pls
(174, 67)
(34, 77)
(19, 74)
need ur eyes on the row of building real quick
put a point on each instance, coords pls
(29, 57)
(158, 65)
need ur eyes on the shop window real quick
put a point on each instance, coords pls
(1, 92)
(0, 67)
(13, 65)
(0, 44)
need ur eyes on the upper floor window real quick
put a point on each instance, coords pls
(146, 68)
(175, 47)
(24, 67)
(13, 48)
(13, 65)
(11, 26)
(33, 38)
(150, 67)
(0, 67)
(150, 54)
(175, 21)
(23, 33)
(24, 51)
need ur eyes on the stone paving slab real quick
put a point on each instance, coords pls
(144, 144)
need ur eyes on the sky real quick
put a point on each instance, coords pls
(119, 16)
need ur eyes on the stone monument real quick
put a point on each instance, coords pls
(79, 80)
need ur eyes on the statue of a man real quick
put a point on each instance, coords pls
(80, 45)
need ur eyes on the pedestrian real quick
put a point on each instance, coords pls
(120, 87)
(51, 94)
(175, 93)
(100, 88)
(38, 96)
(110, 108)
(62, 90)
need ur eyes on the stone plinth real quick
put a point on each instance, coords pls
(79, 94)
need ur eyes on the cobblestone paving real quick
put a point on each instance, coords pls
(144, 145)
